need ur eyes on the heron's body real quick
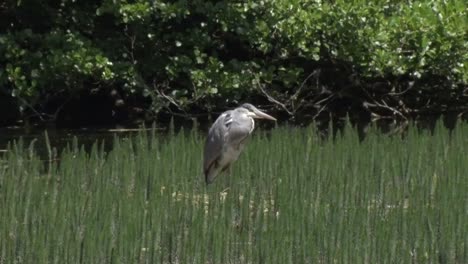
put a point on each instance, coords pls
(227, 138)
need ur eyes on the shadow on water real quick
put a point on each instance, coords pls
(60, 139)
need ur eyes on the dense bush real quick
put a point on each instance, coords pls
(391, 59)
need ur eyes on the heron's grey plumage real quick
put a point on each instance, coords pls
(227, 137)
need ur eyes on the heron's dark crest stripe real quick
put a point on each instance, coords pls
(227, 120)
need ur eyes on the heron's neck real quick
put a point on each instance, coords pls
(253, 125)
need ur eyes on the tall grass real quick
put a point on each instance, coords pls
(291, 198)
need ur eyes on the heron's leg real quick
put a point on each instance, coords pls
(227, 169)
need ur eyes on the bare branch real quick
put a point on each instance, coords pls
(273, 100)
(299, 90)
(324, 100)
(168, 98)
(132, 39)
(320, 111)
(296, 94)
(403, 92)
(384, 106)
(40, 115)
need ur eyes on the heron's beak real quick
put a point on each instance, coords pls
(259, 114)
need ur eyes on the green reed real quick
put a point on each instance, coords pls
(292, 197)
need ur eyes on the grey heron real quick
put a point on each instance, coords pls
(227, 138)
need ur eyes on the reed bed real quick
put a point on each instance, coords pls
(292, 197)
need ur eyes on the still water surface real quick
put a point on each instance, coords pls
(59, 139)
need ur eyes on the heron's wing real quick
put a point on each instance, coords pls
(230, 129)
(239, 129)
(215, 141)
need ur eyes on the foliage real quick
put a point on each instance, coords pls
(291, 198)
(182, 54)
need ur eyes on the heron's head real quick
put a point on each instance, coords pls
(255, 113)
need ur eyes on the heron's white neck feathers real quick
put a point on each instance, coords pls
(253, 125)
(248, 116)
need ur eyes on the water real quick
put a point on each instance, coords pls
(60, 138)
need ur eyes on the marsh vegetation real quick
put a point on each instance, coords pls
(292, 197)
